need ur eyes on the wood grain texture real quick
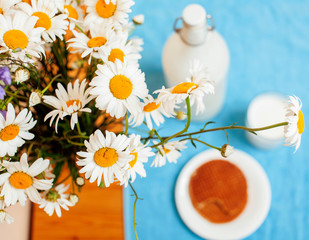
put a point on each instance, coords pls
(97, 216)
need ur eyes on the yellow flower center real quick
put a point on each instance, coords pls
(184, 87)
(166, 151)
(116, 53)
(9, 132)
(105, 10)
(151, 107)
(52, 195)
(15, 39)
(72, 11)
(105, 157)
(27, 1)
(96, 42)
(1, 11)
(133, 162)
(71, 103)
(43, 21)
(300, 122)
(121, 87)
(20, 180)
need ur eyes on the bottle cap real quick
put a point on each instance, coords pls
(266, 109)
(194, 15)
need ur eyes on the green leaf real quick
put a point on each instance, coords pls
(73, 169)
(193, 143)
(206, 124)
(57, 170)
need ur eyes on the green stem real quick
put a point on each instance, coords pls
(50, 83)
(80, 29)
(236, 127)
(78, 136)
(12, 95)
(29, 149)
(78, 128)
(127, 125)
(73, 186)
(7, 102)
(165, 140)
(157, 134)
(17, 96)
(59, 58)
(134, 208)
(75, 143)
(200, 141)
(252, 130)
(63, 180)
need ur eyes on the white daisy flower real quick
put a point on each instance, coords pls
(14, 129)
(22, 75)
(296, 126)
(151, 110)
(59, 4)
(55, 25)
(56, 198)
(113, 12)
(48, 173)
(74, 12)
(122, 49)
(19, 38)
(136, 43)
(196, 86)
(100, 37)
(105, 156)
(170, 151)
(5, 5)
(141, 153)
(118, 87)
(5, 217)
(129, 27)
(68, 103)
(19, 181)
(35, 98)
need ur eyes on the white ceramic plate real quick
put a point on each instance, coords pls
(255, 212)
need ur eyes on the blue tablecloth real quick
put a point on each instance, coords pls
(269, 47)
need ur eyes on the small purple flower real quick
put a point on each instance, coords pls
(3, 113)
(5, 79)
(2, 93)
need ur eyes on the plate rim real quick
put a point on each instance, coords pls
(212, 154)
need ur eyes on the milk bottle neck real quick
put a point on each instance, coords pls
(193, 35)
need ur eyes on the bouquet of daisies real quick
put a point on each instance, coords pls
(69, 77)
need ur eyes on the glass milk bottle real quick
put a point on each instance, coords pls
(197, 40)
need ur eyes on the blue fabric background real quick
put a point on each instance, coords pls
(269, 48)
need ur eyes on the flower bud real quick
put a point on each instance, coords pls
(35, 98)
(180, 115)
(22, 75)
(226, 150)
(139, 19)
(73, 198)
(80, 181)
